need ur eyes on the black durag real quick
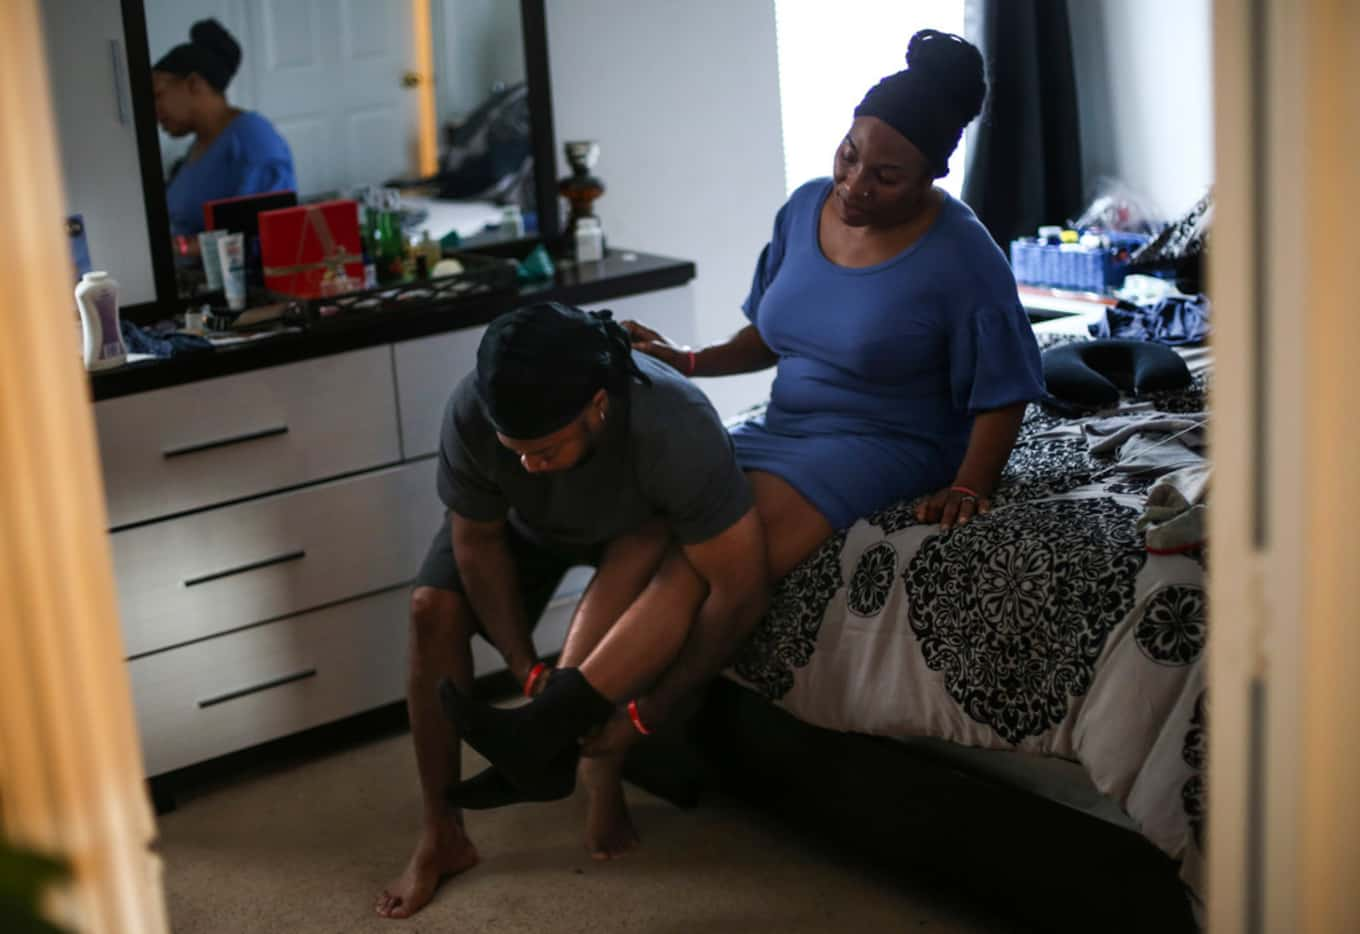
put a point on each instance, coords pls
(538, 367)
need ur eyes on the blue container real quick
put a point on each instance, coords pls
(1069, 266)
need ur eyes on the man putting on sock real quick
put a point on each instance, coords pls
(565, 448)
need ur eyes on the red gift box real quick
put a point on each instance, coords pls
(302, 247)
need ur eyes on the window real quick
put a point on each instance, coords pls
(829, 55)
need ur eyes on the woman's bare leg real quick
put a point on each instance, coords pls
(793, 526)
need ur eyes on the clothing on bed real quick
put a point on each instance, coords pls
(1147, 445)
(1175, 516)
(1175, 320)
(1060, 623)
(664, 452)
(881, 369)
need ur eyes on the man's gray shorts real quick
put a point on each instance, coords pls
(538, 566)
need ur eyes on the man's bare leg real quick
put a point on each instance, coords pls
(441, 630)
(794, 529)
(628, 564)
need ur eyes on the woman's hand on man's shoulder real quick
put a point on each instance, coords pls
(657, 345)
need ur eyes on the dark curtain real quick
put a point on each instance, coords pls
(1024, 164)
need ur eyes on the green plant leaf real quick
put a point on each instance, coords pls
(24, 875)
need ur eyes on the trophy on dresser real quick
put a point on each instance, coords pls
(580, 188)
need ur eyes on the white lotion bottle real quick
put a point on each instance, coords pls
(97, 299)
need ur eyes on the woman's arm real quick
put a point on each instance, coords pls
(989, 447)
(743, 352)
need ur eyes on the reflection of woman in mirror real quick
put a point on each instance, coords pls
(235, 152)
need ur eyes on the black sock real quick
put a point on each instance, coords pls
(523, 741)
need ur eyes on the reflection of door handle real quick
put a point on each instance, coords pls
(411, 79)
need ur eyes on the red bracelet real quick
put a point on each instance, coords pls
(637, 719)
(535, 673)
(960, 488)
(691, 361)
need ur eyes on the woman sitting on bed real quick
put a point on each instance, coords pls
(903, 357)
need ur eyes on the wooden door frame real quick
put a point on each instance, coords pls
(70, 765)
(1284, 657)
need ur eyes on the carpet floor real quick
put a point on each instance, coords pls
(306, 847)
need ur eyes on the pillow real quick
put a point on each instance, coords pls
(1095, 372)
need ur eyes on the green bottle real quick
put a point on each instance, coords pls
(391, 245)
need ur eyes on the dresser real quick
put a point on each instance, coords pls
(265, 527)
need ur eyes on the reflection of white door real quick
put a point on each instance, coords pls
(327, 73)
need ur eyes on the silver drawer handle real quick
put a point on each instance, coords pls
(225, 442)
(252, 566)
(255, 689)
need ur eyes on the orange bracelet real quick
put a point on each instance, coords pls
(959, 488)
(691, 361)
(535, 673)
(637, 718)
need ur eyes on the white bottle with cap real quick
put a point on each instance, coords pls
(97, 299)
(589, 240)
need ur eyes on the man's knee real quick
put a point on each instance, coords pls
(678, 578)
(439, 616)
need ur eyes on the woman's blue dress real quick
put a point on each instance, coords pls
(882, 369)
(248, 158)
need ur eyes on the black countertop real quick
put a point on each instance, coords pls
(620, 274)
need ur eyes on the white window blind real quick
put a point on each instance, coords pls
(829, 55)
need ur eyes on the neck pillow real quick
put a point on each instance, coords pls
(1094, 373)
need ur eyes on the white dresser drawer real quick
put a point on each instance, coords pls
(427, 372)
(220, 695)
(221, 569)
(224, 694)
(669, 311)
(213, 441)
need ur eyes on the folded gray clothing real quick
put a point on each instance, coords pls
(1182, 531)
(1175, 516)
(1153, 455)
(1104, 436)
(1180, 490)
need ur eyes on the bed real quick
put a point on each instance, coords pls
(1040, 650)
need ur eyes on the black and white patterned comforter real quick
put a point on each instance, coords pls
(1043, 627)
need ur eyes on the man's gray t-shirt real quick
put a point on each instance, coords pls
(668, 456)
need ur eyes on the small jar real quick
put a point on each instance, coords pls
(589, 240)
(512, 222)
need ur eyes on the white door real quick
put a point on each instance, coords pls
(327, 73)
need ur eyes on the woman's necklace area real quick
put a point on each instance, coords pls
(856, 248)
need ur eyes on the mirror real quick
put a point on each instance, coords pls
(337, 99)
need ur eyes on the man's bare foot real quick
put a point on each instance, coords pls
(440, 854)
(609, 827)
